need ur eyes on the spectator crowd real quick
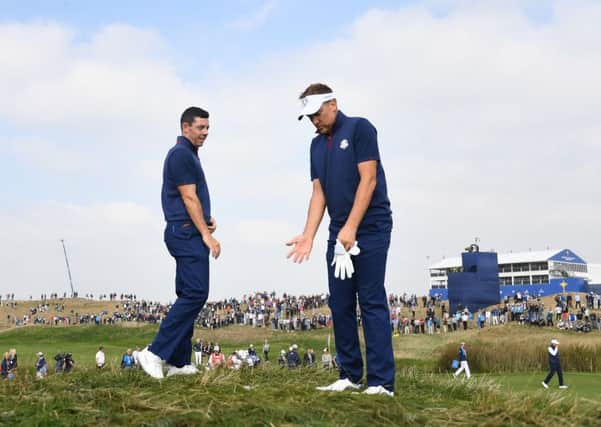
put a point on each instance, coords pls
(206, 354)
(409, 314)
(568, 312)
(261, 309)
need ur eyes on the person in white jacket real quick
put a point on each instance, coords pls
(100, 358)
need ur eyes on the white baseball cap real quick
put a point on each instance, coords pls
(312, 103)
(554, 341)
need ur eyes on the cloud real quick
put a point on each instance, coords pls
(254, 19)
(487, 124)
(115, 78)
(50, 156)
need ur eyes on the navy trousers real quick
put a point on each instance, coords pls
(552, 370)
(367, 284)
(173, 342)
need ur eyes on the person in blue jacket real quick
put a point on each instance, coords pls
(293, 358)
(128, 361)
(4, 368)
(463, 365)
(554, 365)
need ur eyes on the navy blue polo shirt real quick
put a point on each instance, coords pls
(334, 160)
(182, 166)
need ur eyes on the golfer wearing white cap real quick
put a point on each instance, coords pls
(554, 365)
(463, 365)
(348, 179)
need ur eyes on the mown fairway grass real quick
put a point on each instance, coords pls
(580, 384)
(269, 395)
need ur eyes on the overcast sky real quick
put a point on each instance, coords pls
(488, 113)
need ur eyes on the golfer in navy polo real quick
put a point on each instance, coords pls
(188, 236)
(349, 180)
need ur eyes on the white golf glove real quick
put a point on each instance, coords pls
(343, 265)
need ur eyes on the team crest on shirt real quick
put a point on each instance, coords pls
(344, 144)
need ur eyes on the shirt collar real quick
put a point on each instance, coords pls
(186, 143)
(340, 119)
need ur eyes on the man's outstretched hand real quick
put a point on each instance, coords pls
(301, 248)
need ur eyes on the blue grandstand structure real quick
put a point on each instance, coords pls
(536, 273)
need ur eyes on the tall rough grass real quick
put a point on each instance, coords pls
(525, 354)
(271, 396)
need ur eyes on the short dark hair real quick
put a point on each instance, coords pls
(316, 89)
(191, 113)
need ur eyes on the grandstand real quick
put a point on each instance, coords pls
(535, 272)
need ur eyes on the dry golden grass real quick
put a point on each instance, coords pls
(519, 348)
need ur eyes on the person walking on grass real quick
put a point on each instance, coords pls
(463, 365)
(554, 365)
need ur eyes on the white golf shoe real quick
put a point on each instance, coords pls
(151, 363)
(184, 370)
(563, 386)
(545, 385)
(373, 390)
(340, 385)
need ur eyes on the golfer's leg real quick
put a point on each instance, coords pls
(170, 342)
(549, 375)
(560, 375)
(185, 347)
(467, 370)
(343, 304)
(370, 269)
(173, 341)
(460, 370)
